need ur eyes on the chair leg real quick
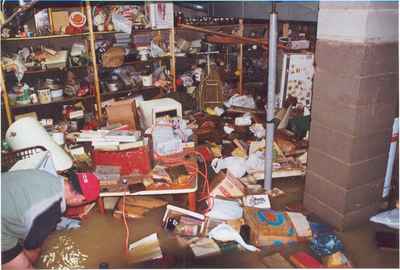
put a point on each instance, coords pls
(192, 201)
(100, 203)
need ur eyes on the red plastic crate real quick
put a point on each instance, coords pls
(131, 160)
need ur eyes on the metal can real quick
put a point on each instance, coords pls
(34, 98)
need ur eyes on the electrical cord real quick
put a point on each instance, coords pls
(126, 244)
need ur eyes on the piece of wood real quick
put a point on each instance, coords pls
(145, 201)
(276, 261)
(239, 39)
(93, 58)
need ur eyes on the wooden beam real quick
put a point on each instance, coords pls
(93, 55)
(240, 39)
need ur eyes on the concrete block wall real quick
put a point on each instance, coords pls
(355, 99)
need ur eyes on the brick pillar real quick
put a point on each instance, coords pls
(355, 100)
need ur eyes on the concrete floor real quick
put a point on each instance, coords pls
(101, 239)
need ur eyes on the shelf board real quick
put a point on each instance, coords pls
(132, 90)
(140, 62)
(133, 31)
(63, 100)
(45, 37)
(208, 26)
(49, 70)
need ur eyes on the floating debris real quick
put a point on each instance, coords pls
(64, 255)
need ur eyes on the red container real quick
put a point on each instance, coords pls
(131, 160)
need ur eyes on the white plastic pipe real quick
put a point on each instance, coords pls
(273, 37)
(391, 158)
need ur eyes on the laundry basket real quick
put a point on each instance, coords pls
(9, 159)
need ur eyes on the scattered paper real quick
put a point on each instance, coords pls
(145, 249)
(205, 246)
(300, 224)
(257, 201)
(225, 209)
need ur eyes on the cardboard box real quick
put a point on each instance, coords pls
(59, 60)
(123, 112)
(269, 227)
(227, 186)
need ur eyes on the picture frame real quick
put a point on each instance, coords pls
(42, 22)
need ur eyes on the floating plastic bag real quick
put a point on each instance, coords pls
(255, 162)
(68, 223)
(223, 232)
(389, 218)
(235, 165)
(241, 101)
(258, 130)
(326, 244)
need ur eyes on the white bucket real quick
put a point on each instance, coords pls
(28, 132)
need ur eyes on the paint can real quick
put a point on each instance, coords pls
(147, 80)
(44, 95)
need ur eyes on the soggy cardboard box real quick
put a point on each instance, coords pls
(269, 228)
(123, 112)
(226, 185)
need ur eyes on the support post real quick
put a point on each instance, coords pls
(273, 36)
(93, 56)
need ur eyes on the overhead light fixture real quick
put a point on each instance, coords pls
(198, 7)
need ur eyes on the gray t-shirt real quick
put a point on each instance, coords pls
(32, 203)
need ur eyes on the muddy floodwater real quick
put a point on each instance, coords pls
(101, 239)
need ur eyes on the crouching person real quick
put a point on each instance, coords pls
(32, 203)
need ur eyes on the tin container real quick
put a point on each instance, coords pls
(44, 95)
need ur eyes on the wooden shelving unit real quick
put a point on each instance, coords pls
(90, 37)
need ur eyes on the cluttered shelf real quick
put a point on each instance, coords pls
(48, 70)
(61, 100)
(46, 37)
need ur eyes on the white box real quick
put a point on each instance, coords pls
(59, 60)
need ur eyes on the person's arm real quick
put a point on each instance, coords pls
(42, 226)
(33, 254)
